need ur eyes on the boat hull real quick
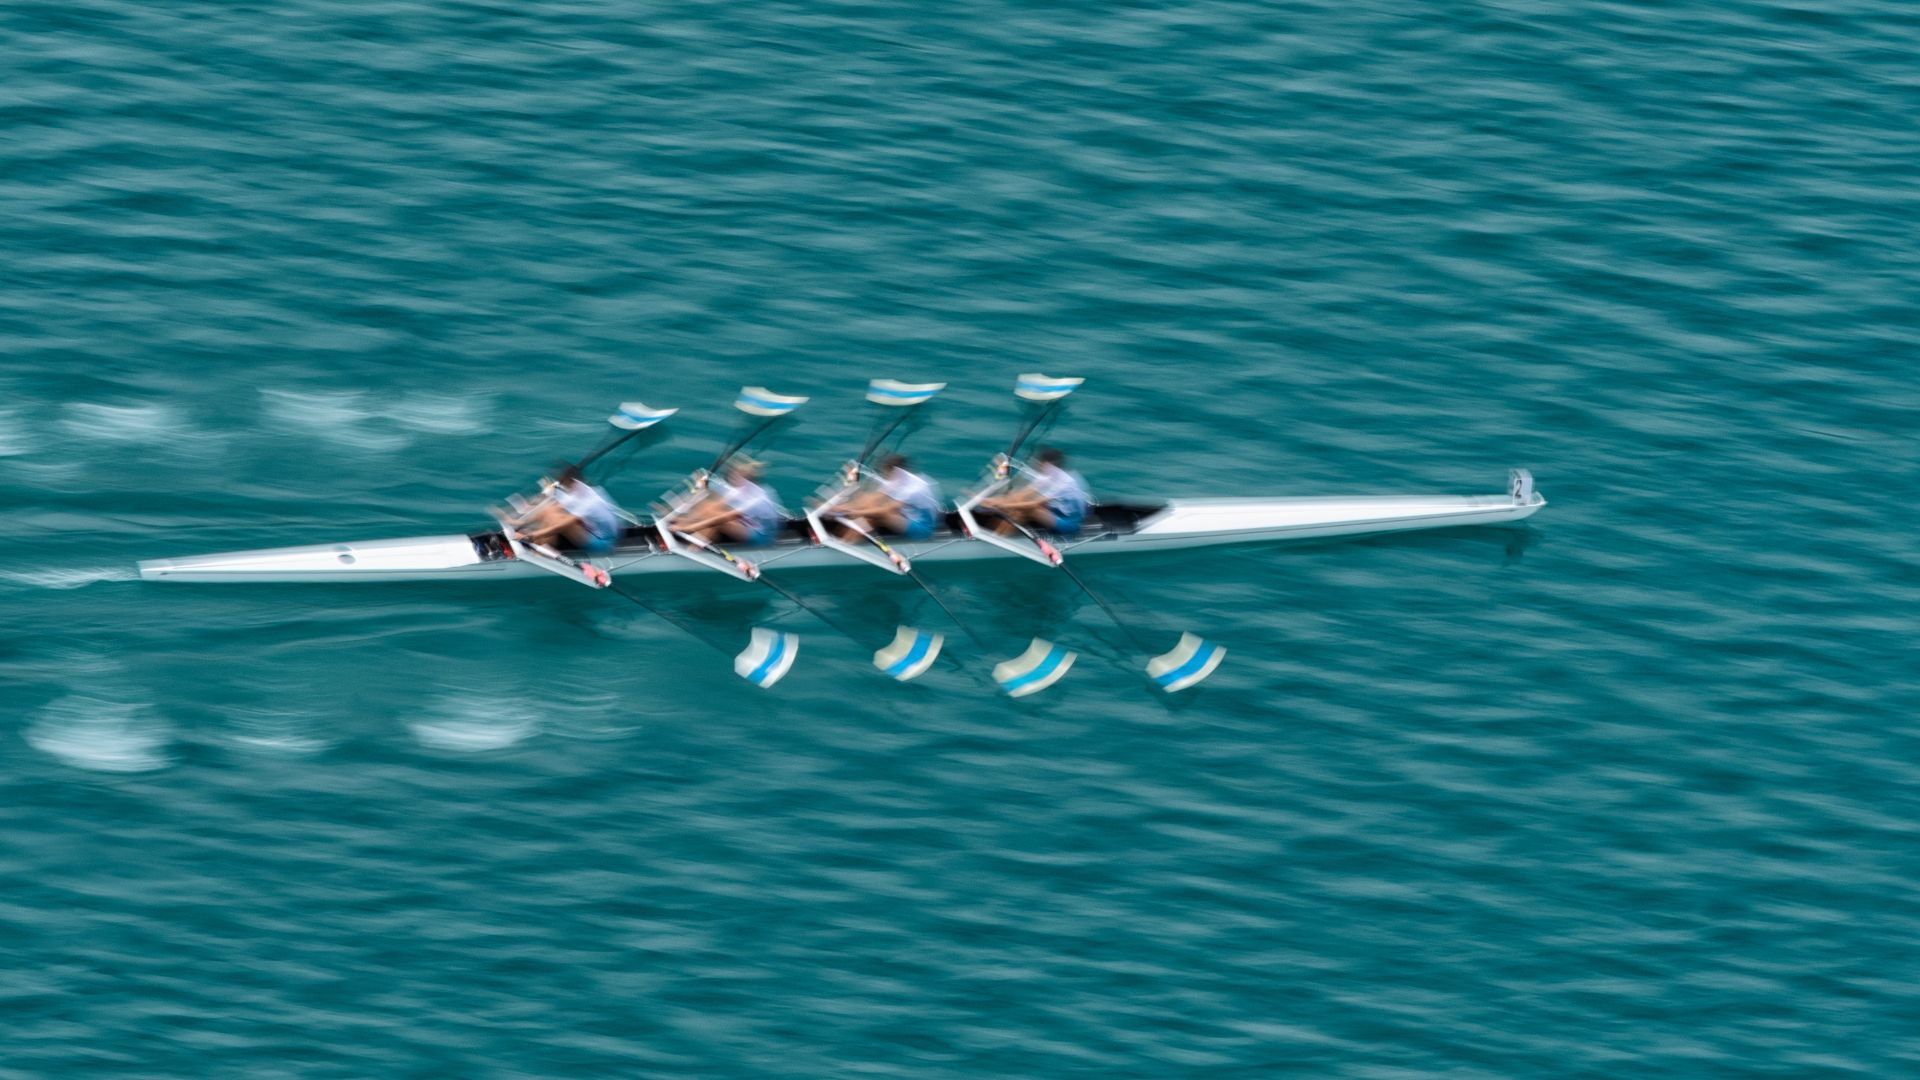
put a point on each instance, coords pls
(1175, 525)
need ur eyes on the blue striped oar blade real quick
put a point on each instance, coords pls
(1192, 660)
(1036, 387)
(760, 401)
(894, 392)
(909, 655)
(638, 416)
(767, 657)
(1042, 665)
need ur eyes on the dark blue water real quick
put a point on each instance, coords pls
(1629, 792)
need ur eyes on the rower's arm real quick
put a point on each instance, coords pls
(1020, 499)
(717, 517)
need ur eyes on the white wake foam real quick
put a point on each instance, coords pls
(67, 577)
(101, 735)
(474, 723)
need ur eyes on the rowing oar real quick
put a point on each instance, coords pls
(761, 402)
(907, 656)
(907, 571)
(768, 657)
(632, 418)
(1049, 392)
(1192, 658)
(912, 651)
(904, 398)
(770, 653)
(1186, 664)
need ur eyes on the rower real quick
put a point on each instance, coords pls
(1053, 498)
(739, 508)
(574, 513)
(902, 503)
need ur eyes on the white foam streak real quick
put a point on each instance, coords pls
(71, 577)
(124, 423)
(475, 723)
(339, 416)
(13, 437)
(101, 735)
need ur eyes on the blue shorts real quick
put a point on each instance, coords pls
(602, 536)
(919, 522)
(1064, 522)
(758, 535)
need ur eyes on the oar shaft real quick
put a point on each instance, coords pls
(670, 620)
(811, 610)
(1138, 642)
(743, 440)
(609, 448)
(955, 619)
(1032, 426)
(873, 444)
(1074, 576)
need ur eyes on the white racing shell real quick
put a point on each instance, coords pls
(1182, 523)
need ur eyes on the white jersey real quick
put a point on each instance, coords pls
(757, 504)
(911, 490)
(1065, 492)
(591, 505)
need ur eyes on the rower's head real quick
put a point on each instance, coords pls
(746, 468)
(569, 475)
(892, 462)
(1050, 455)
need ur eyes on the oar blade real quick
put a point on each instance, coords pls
(638, 416)
(901, 395)
(1187, 664)
(1043, 664)
(1036, 387)
(760, 401)
(767, 657)
(909, 655)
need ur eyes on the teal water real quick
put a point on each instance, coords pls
(1630, 792)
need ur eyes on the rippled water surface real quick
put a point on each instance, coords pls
(1629, 792)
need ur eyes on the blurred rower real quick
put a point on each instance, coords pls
(902, 503)
(738, 508)
(574, 514)
(1053, 498)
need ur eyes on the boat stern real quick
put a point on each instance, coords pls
(417, 558)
